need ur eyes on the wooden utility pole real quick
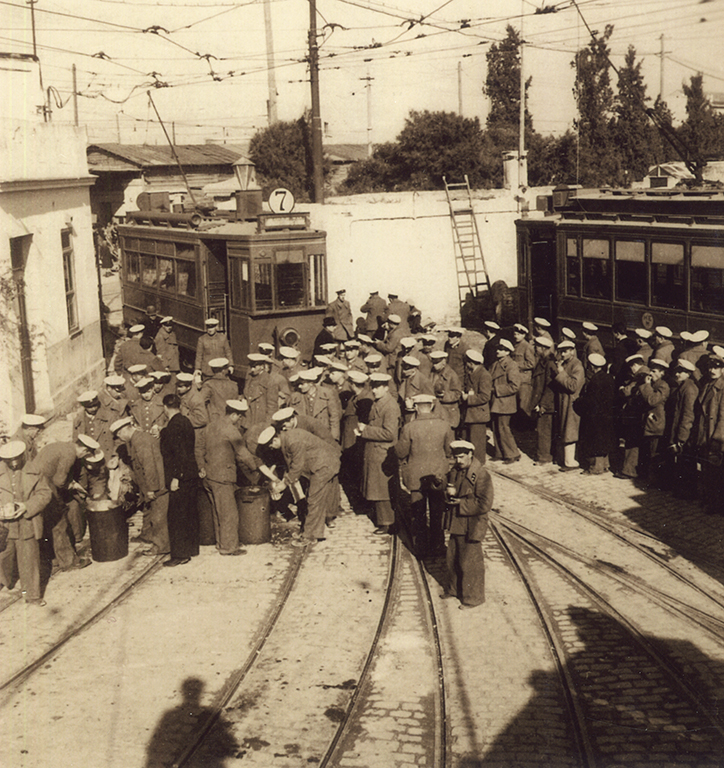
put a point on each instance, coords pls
(661, 70)
(368, 85)
(317, 170)
(460, 88)
(75, 96)
(271, 78)
(521, 136)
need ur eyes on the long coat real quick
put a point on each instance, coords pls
(209, 348)
(57, 462)
(356, 412)
(478, 403)
(341, 311)
(448, 390)
(193, 407)
(221, 447)
(146, 462)
(456, 358)
(567, 386)
(375, 308)
(682, 405)
(261, 398)
(97, 427)
(474, 489)
(148, 414)
(321, 403)
(215, 391)
(380, 436)
(655, 396)
(709, 413)
(167, 349)
(34, 492)
(417, 384)
(177, 449)
(543, 396)
(594, 405)
(306, 454)
(523, 355)
(506, 382)
(424, 446)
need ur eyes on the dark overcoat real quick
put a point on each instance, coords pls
(567, 386)
(424, 447)
(506, 382)
(596, 434)
(681, 418)
(655, 396)
(709, 413)
(474, 489)
(380, 436)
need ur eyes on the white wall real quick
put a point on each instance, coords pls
(403, 243)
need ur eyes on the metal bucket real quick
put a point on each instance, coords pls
(253, 504)
(108, 531)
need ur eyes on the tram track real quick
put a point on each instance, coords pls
(583, 626)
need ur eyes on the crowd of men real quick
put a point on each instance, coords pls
(398, 417)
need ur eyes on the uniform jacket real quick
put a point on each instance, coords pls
(591, 347)
(506, 382)
(448, 390)
(287, 373)
(261, 398)
(379, 438)
(210, 347)
(31, 445)
(57, 462)
(222, 446)
(216, 391)
(167, 349)
(655, 396)
(151, 361)
(177, 445)
(683, 403)
(98, 427)
(697, 356)
(390, 346)
(523, 355)
(306, 454)
(321, 403)
(31, 489)
(128, 354)
(356, 412)
(424, 447)
(308, 424)
(645, 351)
(456, 358)
(425, 362)
(474, 489)
(375, 308)
(596, 434)
(341, 311)
(148, 414)
(146, 462)
(709, 413)
(567, 386)
(478, 403)
(193, 407)
(280, 390)
(417, 384)
(402, 309)
(117, 408)
(665, 352)
(542, 395)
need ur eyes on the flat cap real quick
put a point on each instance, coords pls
(357, 376)
(283, 414)
(506, 344)
(410, 362)
(88, 397)
(240, 406)
(698, 336)
(654, 362)
(137, 368)
(211, 322)
(461, 446)
(88, 442)
(590, 327)
(12, 450)
(380, 379)
(428, 399)
(184, 378)
(254, 357)
(114, 381)
(567, 344)
(642, 333)
(118, 424)
(474, 356)
(664, 332)
(266, 436)
(598, 360)
(138, 328)
(543, 341)
(492, 325)
(520, 328)
(33, 420)
(289, 352)
(541, 322)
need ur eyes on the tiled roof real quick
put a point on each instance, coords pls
(148, 156)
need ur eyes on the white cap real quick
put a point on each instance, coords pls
(322, 360)
(396, 319)
(266, 436)
(428, 338)
(283, 414)
(33, 420)
(590, 327)
(492, 325)
(541, 322)
(137, 368)
(686, 365)
(96, 457)
(289, 352)
(12, 450)
(654, 362)
(184, 378)
(520, 328)
(351, 344)
(717, 350)
(137, 328)
(114, 381)
(144, 383)
(410, 361)
(265, 347)
(210, 322)
(438, 354)
(698, 336)
(380, 379)
(365, 338)
(634, 358)
(456, 331)
(408, 341)
(88, 442)
(219, 362)
(663, 331)
(506, 344)
(642, 333)
(373, 359)
(88, 397)
(543, 341)
(166, 320)
(256, 358)
(685, 335)
(474, 356)
(311, 374)
(568, 333)
(160, 375)
(117, 425)
(429, 399)
(567, 344)
(598, 360)
(357, 376)
(240, 406)
(338, 365)
(461, 446)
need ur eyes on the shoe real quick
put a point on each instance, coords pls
(464, 607)
(235, 553)
(621, 476)
(511, 461)
(174, 561)
(381, 530)
(302, 542)
(540, 463)
(84, 562)
(35, 601)
(564, 468)
(331, 523)
(139, 540)
(151, 552)
(446, 596)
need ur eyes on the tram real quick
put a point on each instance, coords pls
(641, 257)
(263, 276)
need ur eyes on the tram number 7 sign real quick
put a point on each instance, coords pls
(281, 201)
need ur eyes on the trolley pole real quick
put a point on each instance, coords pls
(318, 176)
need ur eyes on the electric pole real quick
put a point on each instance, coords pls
(75, 96)
(368, 87)
(661, 70)
(460, 88)
(272, 115)
(521, 137)
(317, 172)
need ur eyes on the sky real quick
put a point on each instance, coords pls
(207, 65)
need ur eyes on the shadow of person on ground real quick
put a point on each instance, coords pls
(173, 734)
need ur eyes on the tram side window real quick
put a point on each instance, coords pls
(573, 268)
(167, 278)
(596, 269)
(186, 278)
(263, 285)
(631, 284)
(290, 285)
(667, 275)
(133, 271)
(319, 280)
(148, 269)
(707, 278)
(240, 284)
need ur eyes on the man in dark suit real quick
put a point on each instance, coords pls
(470, 499)
(182, 475)
(708, 433)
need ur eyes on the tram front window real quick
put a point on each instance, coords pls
(707, 278)
(290, 285)
(667, 275)
(631, 284)
(596, 269)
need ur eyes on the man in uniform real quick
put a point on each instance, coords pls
(218, 388)
(24, 494)
(94, 420)
(523, 355)
(592, 345)
(137, 372)
(356, 411)
(643, 337)
(113, 398)
(352, 356)
(400, 308)
(146, 412)
(181, 474)
(424, 449)
(448, 388)
(655, 392)
(491, 331)
(695, 350)
(456, 350)
(375, 308)
(542, 327)
(470, 499)
(663, 344)
(680, 459)
(708, 434)
(477, 403)
(59, 464)
(423, 354)
(341, 311)
(597, 437)
(503, 402)
(290, 362)
(147, 466)
(211, 345)
(318, 401)
(167, 345)
(390, 345)
(567, 386)
(31, 426)
(543, 397)
(129, 351)
(258, 393)
(413, 383)
(224, 449)
(379, 437)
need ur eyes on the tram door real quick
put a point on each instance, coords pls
(543, 276)
(217, 297)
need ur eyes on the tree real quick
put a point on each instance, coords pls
(431, 145)
(703, 129)
(282, 155)
(598, 158)
(552, 159)
(632, 130)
